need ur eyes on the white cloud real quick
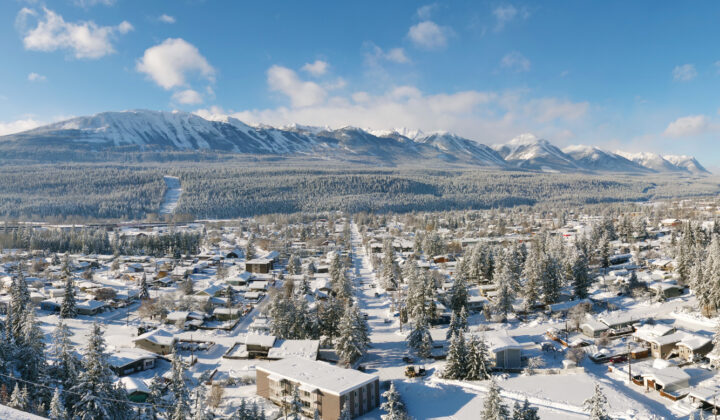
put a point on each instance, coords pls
(318, 68)
(90, 3)
(166, 18)
(427, 34)
(515, 61)
(187, 97)
(375, 54)
(301, 93)
(424, 12)
(691, 125)
(34, 77)
(84, 39)
(506, 14)
(488, 116)
(18, 126)
(396, 55)
(169, 63)
(684, 73)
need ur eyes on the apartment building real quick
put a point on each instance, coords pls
(320, 386)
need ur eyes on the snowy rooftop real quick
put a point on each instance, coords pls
(307, 349)
(324, 376)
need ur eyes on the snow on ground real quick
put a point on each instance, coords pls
(11, 413)
(172, 194)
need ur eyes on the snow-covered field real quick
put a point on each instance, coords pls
(172, 195)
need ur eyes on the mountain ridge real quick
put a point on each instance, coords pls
(182, 131)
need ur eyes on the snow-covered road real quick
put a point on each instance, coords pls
(172, 194)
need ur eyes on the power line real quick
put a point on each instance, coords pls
(65, 391)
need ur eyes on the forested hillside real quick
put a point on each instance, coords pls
(235, 189)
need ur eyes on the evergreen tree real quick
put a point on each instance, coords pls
(19, 300)
(144, 290)
(345, 414)
(352, 340)
(419, 338)
(478, 365)
(65, 365)
(580, 276)
(57, 407)
(525, 412)
(596, 405)
(178, 389)
(98, 396)
(454, 327)
(458, 294)
(30, 357)
(295, 408)
(19, 398)
(68, 309)
(393, 405)
(250, 248)
(505, 292)
(457, 358)
(493, 407)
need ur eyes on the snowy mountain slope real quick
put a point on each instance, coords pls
(651, 161)
(528, 152)
(595, 159)
(688, 163)
(167, 131)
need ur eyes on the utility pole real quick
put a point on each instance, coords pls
(629, 357)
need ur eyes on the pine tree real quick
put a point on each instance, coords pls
(505, 292)
(454, 326)
(458, 294)
(295, 408)
(68, 309)
(526, 411)
(57, 407)
(393, 405)
(250, 248)
(596, 405)
(352, 340)
(65, 364)
(19, 398)
(457, 358)
(533, 273)
(419, 337)
(580, 276)
(99, 397)
(19, 300)
(478, 360)
(30, 357)
(493, 408)
(345, 414)
(144, 290)
(179, 389)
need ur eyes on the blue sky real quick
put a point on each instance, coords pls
(637, 76)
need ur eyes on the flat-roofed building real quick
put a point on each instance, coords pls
(320, 386)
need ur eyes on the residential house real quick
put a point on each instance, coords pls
(157, 341)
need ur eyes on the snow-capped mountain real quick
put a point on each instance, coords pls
(529, 152)
(595, 159)
(651, 161)
(688, 163)
(163, 131)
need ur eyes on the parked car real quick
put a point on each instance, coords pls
(618, 359)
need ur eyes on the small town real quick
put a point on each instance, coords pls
(541, 314)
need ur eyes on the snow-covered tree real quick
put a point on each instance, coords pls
(179, 389)
(524, 411)
(65, 365)
(144, 290)
(458, 294)
(293, 265)
(493, 407)
(419, 338)
(580, 276)
(393, 405)
(19, 300)
(250, 248)
(295, 407)
(19, 398)
(457, 358)
(596, 405)
(68, 308)
(352, 340)
(504, 280)
(57, 407)
(98, 396)
(478, 362)
(345, 413)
